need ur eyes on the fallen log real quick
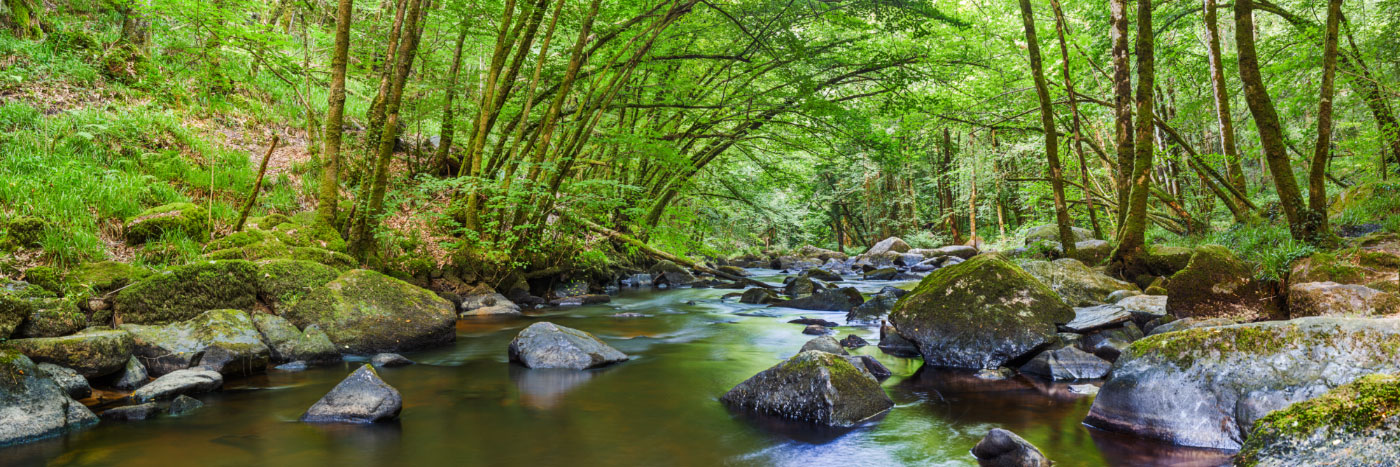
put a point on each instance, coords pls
(640, 245)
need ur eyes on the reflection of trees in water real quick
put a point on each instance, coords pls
(545, 388)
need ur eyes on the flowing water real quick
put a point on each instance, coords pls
(466, 405)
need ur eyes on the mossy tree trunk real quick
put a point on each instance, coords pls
(1129, 259)
(26, 16)
(448, 127)
(1226, 126)
(328, 194)
(1317, 176)
(1122, 103)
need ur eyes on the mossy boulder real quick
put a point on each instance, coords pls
(186, 291)
(1353, 424)
(273, 248)
(105, 276)
(187, 218)
(813, 386)
(888, 245)
(1168, 260)
(48, 277)
(980, 313)
(33, 406)
(367, 312)
(1218, 284)
(1331, 298)
(226, 341)
(53, 317)
(1207, 386)
(289, 344)
(313, 235)
(1076, 283)
(26, 231)
(1051, 234)
(17, 303)
(1327, 267)
(283, 282)
(92, 353)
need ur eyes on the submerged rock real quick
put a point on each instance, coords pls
(815, 330)
(1067, 364)
(73, 384)
(32, 406)
(1217, 284)
(390, 360)
(1076, 284)
(132, 412)
(92, 353)
(547, 345)
(226, 341)
(360, 398)
(182, 382)
(1207, 386)
(183, 404)
(1002, 448)
(364, 312)
(1354, 424)
(813, 386)
(759, 296)
(978, 314)
(825, 344)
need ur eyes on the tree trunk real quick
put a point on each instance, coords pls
(374, 119)
(448, 124)
(1233, 169)
(1129, 259)
(328, 194)
(257, 186)
(1074, 112)
(1047, 121)
(1122, 103)
(1317, 179)
(25, 15)
(1302, 221)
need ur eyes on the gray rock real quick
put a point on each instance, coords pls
(33, 406)
(92, 353)
(390, 360)
(1085, 389)
(882, 274)
(800, 286)
(759, 296)
(842, 299)
(228, 337)
(133, 376)
(183, 404)
(1067, 364)
(894, 344)
(1149, 305)
(815, 330)
(1352, 425)
(355, 311)
(180, 382)
(812, 386)
(361, 398)
(1119, 295)
(547, 345)
(1207, 386)
(853, 342)
(132, 412)
(1076, 283)
(822, 275)
(74, 384)
(286, 343)
(1331, 298)
(979, 314)
(888, 245)
(960, 251)
(876, 307)
(1191, 323)
(292, 366)
(1090, 251)
(493, 305)
(1097, 317)
(1001, 448)
(1051, 233)
(870, 365)
(824, 344)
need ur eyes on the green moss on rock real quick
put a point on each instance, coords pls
(1168, 260)
(813, 386)
(92, 353)
(1216, 284)
(980, 313)
(53, 317)
(186, 291)
(176, 217)
(48, 277)
(283, 282)
(26, 231)
(364, 311)
(176, 346)
(106, 276)
(276, 249)
(1353, 424)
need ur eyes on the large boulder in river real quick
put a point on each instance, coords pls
(32, 406)
(1218, 284)
(1354, 424)
(1076, 283)
(367, 312)
(1207, 386)
(888, 245)
(360, 398)
(980, 313)
(1067, 364)
(1002, 448)
(289, 344)
(186, 291)
(842, 299)
(177, 383)
(225, 341)
(548, 345)
(92, 353)
(813, 386)
(1331, 298)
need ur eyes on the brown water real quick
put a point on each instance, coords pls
(466, 405)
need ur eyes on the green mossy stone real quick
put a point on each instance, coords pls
(1353, 424)
(26, 231)
(363, 311)
(980, 313)
(1218, 284)
(176, 346)
(176, 217)
(276, 249)
(106, 276)
(813, 386)
(267, 222)
(48, 277)
(314, 235)
(53, 317)
(186, 291)
(93, 352)
(239, 240)
(1168, 260)
(1326, 267)
(1051, 233)
(17, 304)
(283, 282)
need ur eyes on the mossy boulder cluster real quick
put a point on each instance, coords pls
(1218, 284)
(1353, 424)
(981, 313)
(363, 311)
(184, 292)
(284, 282)
(32, 405)
(1207, 386)
(278, 237)
(813, 386)
(184, 218)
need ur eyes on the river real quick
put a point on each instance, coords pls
(466, 405)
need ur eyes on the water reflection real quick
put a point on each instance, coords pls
(544, 388)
